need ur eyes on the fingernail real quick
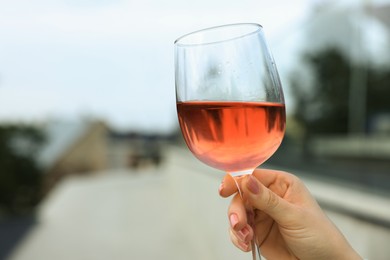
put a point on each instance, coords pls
(233, 220)
(243, 234)
(244, 246)
(220, 188)
(253, 185)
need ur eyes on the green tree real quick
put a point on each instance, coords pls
(20, 176)
(323, 108)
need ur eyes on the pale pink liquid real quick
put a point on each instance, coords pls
(232, 136)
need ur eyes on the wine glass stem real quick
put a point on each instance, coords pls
(250, 214)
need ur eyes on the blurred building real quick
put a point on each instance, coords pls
(73, 148)
(88, 147)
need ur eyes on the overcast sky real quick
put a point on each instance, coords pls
(113, 59)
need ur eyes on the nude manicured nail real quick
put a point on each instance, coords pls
(252, 185)
(244, 246)
(243, 234)
(233, 220)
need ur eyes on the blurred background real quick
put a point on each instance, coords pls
(92, 164)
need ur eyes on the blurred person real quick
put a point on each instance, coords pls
(288, 222)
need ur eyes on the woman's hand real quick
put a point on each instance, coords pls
(288, 222)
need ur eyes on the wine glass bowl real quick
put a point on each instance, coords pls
(229, 97)
(234, 137)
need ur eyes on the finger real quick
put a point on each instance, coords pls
(265, 200)
(237, 213)
(228, 186)
(263, 225)
(268, 177)
(285, 184)
(277, 181)
(245, 234)
(244, 246)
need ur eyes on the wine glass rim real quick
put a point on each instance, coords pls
(255, 25)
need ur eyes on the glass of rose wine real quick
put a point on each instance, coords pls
(229, 98)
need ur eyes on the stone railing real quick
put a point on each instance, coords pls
(375, 147)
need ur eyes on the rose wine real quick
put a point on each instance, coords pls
(232, 136)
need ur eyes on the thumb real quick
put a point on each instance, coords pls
(262, 198)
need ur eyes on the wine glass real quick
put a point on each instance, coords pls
(229, 98)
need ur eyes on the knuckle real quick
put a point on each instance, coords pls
(272, 200)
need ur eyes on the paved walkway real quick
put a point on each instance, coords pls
(118, 215)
